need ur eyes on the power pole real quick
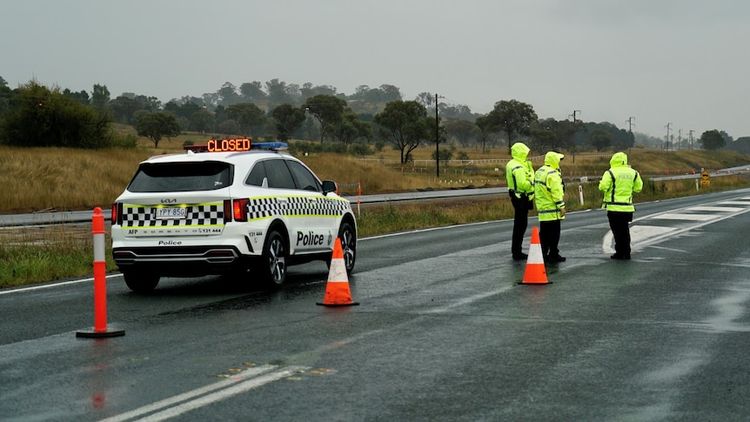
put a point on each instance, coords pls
(679, 138)
(437, 139)
(690, 138)
(574, 115)
(668, 126)
(630, 130)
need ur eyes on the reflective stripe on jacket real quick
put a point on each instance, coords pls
(549, 193)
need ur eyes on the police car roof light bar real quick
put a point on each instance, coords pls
(272, 146)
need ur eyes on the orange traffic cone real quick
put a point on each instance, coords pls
(337, 288)
(535, 273)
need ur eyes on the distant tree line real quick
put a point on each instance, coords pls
(34, 115)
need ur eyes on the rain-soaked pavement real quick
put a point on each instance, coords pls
(443, 332)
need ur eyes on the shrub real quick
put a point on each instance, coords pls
(43, 117)
(360, 149)
(127, 140)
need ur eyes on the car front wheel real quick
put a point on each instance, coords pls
(348, 237)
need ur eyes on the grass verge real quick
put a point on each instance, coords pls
(60, 253)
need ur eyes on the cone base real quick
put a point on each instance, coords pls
(334, 305)
(534, 283)
(91, 333)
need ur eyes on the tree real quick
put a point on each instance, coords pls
(486, 131)
(248, 116)
(350, 128)
(426, 99)
(328, 110)
(390, 93)
(5, 95)
(727, 137)
(82, 96)
(39, 116)
(252, 91)
(463, 131)
(228, 94)
(404, 124)
(123, 108)
(287, 119)
(600, 139)
(277, 93)
(156, 125)
(100, 96)
(712, 140)
(229, 127)
(308, 90)
(202, 120)
(513, 117)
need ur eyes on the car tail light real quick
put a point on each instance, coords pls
(116, 217)
(239, 209)
(227, 210)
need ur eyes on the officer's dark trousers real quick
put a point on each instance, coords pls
(520, 222)
(618, 222)
(549, 236)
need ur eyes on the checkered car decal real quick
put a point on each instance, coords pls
(144, 216)
(259, 208)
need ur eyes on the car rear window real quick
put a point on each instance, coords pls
(181, 177)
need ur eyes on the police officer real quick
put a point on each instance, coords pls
(549, 192)
(618, 184)
(520, 177)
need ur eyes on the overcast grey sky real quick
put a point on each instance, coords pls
(679, 61)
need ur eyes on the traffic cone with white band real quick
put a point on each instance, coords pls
(337, 288)
(100, 283)
(535, 273)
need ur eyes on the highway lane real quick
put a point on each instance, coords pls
(443, 333)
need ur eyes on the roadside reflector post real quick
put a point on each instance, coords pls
(100, 283)
(580, 194)
(359, 195)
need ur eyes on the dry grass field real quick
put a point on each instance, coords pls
(37, 179)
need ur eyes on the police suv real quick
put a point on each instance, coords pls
(227, 207)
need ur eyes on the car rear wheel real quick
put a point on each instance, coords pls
(273, 261)
(140, 282)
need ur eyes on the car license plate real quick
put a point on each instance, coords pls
(171, 213)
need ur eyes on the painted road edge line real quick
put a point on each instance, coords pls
(47, 286)
(161, 404)
(225, 393)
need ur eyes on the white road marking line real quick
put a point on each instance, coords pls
(667, 249)
(467, 300)
(676, 232)
(638, 233)
(683, 216)
(733, 203)
(224, 394)
(714, 209)
(47, 286)
(161, 404)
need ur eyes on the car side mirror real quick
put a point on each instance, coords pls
(330, 186)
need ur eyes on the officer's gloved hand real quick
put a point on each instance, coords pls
(562, 212)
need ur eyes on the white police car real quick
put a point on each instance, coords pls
(228, 208)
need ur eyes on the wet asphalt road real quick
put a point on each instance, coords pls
(443, 332)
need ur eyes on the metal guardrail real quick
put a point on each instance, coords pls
(73, 217)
